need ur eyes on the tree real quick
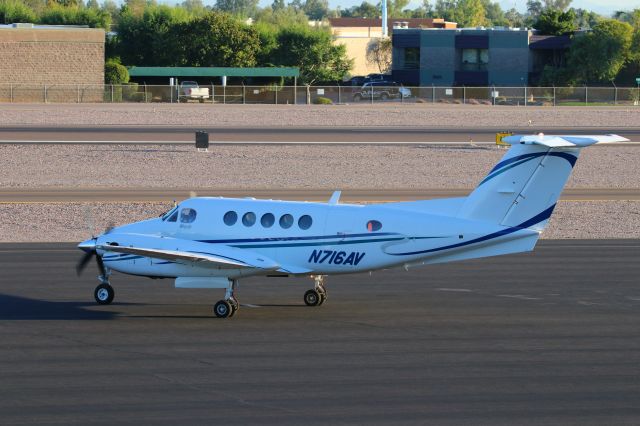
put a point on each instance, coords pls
(556, 4)
(215, 40)
(289, 16)
(12, 11)
(556, 22)
(364, 10)
(395, 8)
(146, 40)
(379, 54)
(515, 18)
(277, 5)
(598, 56)
(469, 13)
(494, 14)
(316, 9)
(585, 19)
(244, 8)
(313, 51)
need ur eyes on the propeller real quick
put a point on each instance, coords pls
(89, 247)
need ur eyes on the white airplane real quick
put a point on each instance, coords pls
(212, 242)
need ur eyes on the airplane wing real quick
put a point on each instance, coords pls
(560, 141)
(221, 259)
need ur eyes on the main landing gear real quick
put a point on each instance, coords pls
(227, 307)
(104, 293)
(318, 294)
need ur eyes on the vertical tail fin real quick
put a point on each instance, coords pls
(523, 188)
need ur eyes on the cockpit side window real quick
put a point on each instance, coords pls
(173, 217)
(187, 215)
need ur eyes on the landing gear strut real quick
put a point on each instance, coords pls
(104, 293)
(227, 307)
(318, 294)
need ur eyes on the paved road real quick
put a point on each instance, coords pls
(352, 195)
(172, 134)
(544, 338)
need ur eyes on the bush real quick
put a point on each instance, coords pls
(114, 73)
(61, 15)
(321, 100)
(12, 11)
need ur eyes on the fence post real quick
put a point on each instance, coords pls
(78, 93)
(615, 95)
(586, 95)
(45, 93)
(464, 95)
(371, 88)
(213, 94)
(433, 94)
(276, 94)
(145, 93)
(244, 94)
(11, 92)
(525, 95)
(224, 94)
(339, 94)
(554, 95)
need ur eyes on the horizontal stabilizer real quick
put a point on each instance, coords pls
(562, 141)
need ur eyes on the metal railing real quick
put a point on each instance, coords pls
(273, 94)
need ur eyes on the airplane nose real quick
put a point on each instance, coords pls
(88, 246)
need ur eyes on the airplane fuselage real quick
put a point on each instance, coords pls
(303, 238)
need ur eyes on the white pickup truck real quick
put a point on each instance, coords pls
(190, 90)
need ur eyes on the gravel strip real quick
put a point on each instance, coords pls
(289, 166)
(70, 221)
(414, 115)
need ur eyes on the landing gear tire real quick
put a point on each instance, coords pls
(104, 294)
(223, 309)
(312, 298)
(323, 297)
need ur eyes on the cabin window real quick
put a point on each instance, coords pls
(305, 222)
(373, 225)
(267, 220)
(187, 215)
(173, 217)
(249, 219)
(230, 218)
(286, 220)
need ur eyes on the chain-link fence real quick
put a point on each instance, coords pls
(371, 93)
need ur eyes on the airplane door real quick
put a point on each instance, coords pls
(340, 221)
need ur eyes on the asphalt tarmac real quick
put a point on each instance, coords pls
(550, 337)
(333, 135)
(58, 195)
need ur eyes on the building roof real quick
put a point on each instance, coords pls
(213, 72)
(377, 22)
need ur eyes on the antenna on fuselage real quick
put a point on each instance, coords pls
(335, 197)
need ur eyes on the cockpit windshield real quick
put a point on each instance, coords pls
(168, 213)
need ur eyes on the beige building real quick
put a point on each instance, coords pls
(34, 56)
(357, 34)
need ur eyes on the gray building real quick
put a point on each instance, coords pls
(472, 56)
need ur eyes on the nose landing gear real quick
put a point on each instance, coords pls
(104, 293)
(318, 294)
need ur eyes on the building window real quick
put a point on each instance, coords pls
(411, 58)
(475, 59)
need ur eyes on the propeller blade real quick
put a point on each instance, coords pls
(82, 264)
(101, 268)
